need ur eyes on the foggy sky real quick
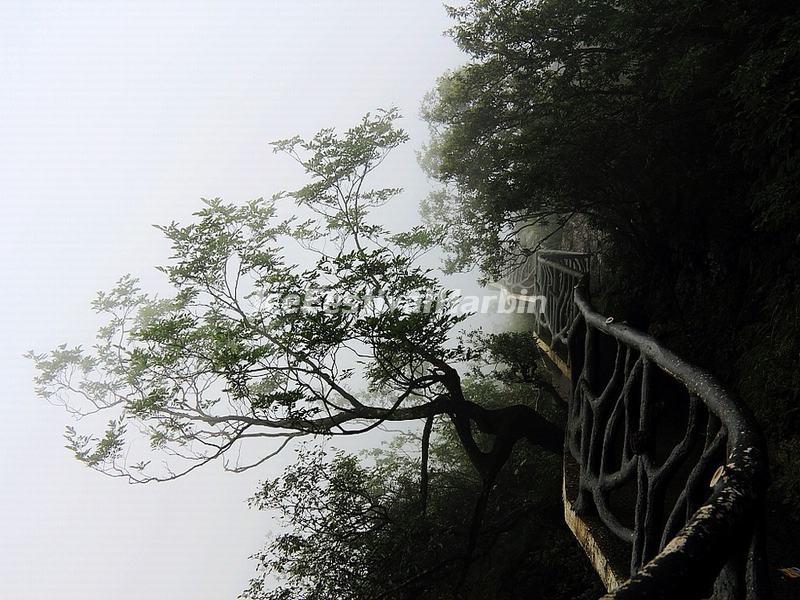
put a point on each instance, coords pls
(118, 115)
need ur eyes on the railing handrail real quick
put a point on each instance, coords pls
(564, 268)
(728, 523)
(691, 561)
(550, 252)
(733, 414)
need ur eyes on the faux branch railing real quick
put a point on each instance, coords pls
(671, 465)
(555, 272)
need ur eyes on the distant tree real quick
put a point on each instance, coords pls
(254, 349)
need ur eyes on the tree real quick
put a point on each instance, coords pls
(672, 129)
(361, 528)
(673, 117)
(253, 348)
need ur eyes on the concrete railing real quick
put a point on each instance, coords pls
(664, 471)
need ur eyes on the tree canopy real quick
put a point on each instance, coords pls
(678, 117)
(319, 324)
(255, 349)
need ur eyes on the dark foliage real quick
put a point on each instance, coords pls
(357, 529)
(672, 125)
(671, 128)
